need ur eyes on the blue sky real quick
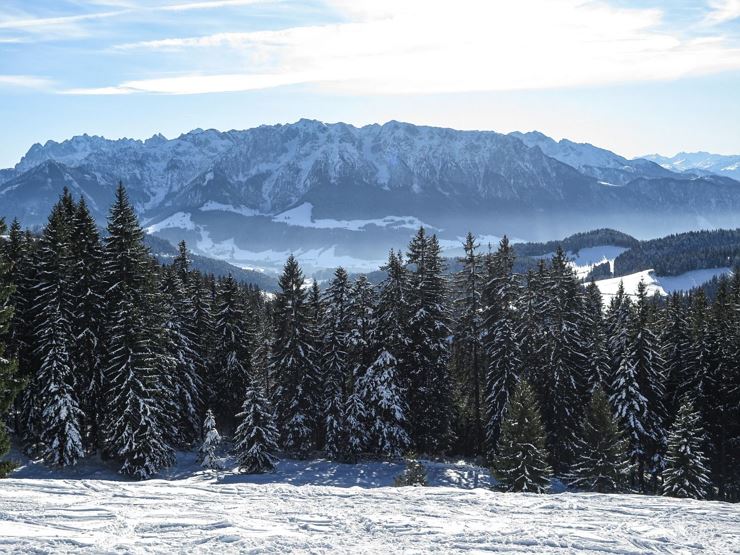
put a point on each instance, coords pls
(633, 76)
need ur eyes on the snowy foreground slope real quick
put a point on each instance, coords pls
(321, 507)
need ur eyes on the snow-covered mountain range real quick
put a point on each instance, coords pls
(703, 162)
(339, 194)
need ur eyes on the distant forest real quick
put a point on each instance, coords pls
(105, 350)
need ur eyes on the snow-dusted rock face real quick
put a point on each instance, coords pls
(224, 192)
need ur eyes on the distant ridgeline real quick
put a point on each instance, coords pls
(578, 241)
(668, 256)
(675, 254)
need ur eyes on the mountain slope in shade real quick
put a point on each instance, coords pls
(359, 191)
(700, 162)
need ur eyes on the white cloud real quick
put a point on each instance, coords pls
(418, 46)
(722, 11)
(126, 8)
(24, 81)
(209, 5)
(41, 22)
(199, 84)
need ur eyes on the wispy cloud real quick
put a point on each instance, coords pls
(418, 46)
(24, 82)
(209, 5)
(40, 22)
(126, 8)
(722, 11)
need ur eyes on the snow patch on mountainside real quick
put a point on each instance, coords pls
(691, 279)
(179, 220)
(310, 259)
(585, 260)
(663, 286)
(301, 216)
(211, 206)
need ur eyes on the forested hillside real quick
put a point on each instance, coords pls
(120, 355)
(682, 252)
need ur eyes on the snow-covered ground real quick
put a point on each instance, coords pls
(663, 285)
(322, 507)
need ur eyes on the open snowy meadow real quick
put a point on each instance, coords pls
(322, 507)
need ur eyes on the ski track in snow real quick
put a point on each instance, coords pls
(296, 511)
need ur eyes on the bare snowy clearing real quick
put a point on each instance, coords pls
(323, 507)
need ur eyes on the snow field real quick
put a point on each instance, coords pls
(296, 510)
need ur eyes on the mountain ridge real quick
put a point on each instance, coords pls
(224, 191)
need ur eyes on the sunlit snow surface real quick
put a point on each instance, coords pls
(321, 507)
(662, 285)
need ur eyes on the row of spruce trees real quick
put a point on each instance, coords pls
(108, 351)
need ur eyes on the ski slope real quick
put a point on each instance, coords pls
(322, 507)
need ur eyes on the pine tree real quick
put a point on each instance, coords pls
(211, 440)
(136, 425)
(602, 463)
(686, 474)
(335, 363)
(617, 329)
(501, 341)
(430, 391)
(720, 403)
(560, 382)
(355, 427)
(676, 352)
(10, 384)
(232, 360)
(256, 436)
(637, 392)
(467, 350)
(521, 463)
(292, 363)
(179, 337)
(383, 387)
(593, 331)
(87, 319)
(53, 396)
(360, 357)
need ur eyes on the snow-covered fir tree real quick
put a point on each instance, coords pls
(686, 473)
(593, 332)
(87, 319)
(360, 356)
(383, 387)
(10, 384)
(203, 298)
(521, 463)
(180, 348)
(136, 425)
(355, 427)
(211, 440)
(560, 382)
(675, 343)
(637, 393)
(56, 407)
(232, 365)
(335, 361)
(468, 359)
(292, 363)
(602, 462)
(430, 386)
(256, 437)
(501, 341)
